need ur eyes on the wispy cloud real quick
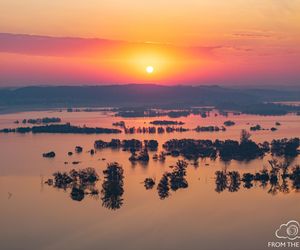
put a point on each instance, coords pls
(86, 47)
(253, 35)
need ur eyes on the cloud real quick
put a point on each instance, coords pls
(54, 46)
(88, 47)
(290, 230)
(252, 34)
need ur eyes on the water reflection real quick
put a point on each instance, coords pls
(174, 180)
(277, 178)
(163, 187)
(281, 178)
(112, 187)
(81, 182)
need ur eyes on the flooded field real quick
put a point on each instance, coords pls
(200, 216)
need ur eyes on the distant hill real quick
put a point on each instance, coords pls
(138, 95)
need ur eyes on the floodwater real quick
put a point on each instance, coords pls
(34, 215)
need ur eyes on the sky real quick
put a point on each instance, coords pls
(199, 42)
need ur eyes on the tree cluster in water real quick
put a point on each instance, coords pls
(146, 112)
(166, 122)
(229, 123)
(131, 145)
(257, 127)
(172, 181)
(209, 129)
(112, 187)
(44, 120)
(192, 149)
(245, 149)
(82, 183)
(279, 179)
(154, 130)
(61, 129)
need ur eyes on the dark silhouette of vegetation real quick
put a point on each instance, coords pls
(256, 128)
(234, 181)
(140, 112)
(81, 182)
(163, 187)
(177, 176)
(203, 114)
(161, 156)
(78, 149)
(259, 108)
(151, 145)
(245, 136)
(44, 120)
(112, 187)
(154, 130)
(209, 129)
(141, 156)
(132, 145)
(120, 124)
(149, 183)
(227, 150)
(61, 129)
(285, 147)
(173, 180)
(190, 148)
(280, 178)
(221, 181)
(114, 143)
(177, 114)
(229, 123)
(50, 154)
(166, 122)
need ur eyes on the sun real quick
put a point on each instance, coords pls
(149, 69)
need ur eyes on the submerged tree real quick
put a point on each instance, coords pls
(77, 193)
(174, 180)
(221, 181)
(149, 183)
(245, 136)
(295, 178)
(163, 187)
(177, 177)
(248, 179)
(112, 187)
(234, 181)
(81, 182)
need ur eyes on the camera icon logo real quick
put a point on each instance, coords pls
(290, 230)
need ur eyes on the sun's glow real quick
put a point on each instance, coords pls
(149, 69)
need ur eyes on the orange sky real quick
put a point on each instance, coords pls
(187, 42)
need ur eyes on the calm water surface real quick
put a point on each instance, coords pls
(34, 215)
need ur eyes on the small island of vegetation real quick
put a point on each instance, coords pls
(44, 120)
(229, 123)
(166, 122)
(61, 129)
(245, 149)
